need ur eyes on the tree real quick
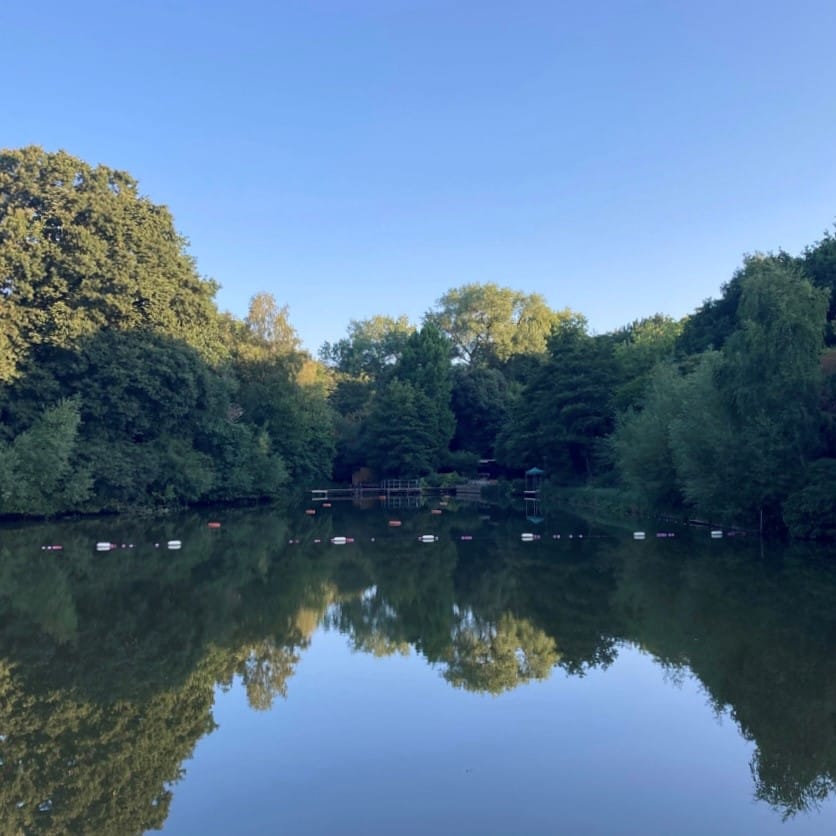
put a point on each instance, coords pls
(269, 326)
(372, 347)
(819, 262)
(750, 416)
(425, 365)
(38, 471)
(81, 250)
(772, 377)
(488, 324)
(481, 402)
(641, 441)
(399, 441)
(566, 409)
(638, 349)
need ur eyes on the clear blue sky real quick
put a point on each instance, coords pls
(355, 158)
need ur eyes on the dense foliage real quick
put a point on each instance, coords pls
(123, 386)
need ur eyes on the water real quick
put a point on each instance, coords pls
(257, 681)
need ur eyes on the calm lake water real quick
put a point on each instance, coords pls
(257, 681)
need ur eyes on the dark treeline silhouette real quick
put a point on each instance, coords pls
(122, 386)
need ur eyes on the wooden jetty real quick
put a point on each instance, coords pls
(388, 489)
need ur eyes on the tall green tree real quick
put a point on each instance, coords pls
(399, 441)
(82, 250)
(566, 410)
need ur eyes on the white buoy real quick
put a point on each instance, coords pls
(102, 547)
(339, 541)
(638, 535)
(428, 538)
(174, 544)
(527, 537)
(716, 534)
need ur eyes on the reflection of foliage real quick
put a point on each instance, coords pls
(108, 663)
(265, 672)
(497, 658)
(76, 766)
(760, 638)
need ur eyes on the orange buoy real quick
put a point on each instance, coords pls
(214, 525)
(394, 523)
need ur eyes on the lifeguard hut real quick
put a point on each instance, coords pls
(533, 481)
(531, 494)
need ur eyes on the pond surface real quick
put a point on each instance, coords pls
(261, 679)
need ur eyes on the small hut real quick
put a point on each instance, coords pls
(533, 481)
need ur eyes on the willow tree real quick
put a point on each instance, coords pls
(82, 250)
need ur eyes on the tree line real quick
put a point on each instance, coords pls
(123, 386)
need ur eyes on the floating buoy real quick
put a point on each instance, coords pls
(428, 538)
(716, 534)
(435, 511)
(317, 539)
(528, 537)
(638, 535)
(174, 544)
(214, 525)
(51, 548)
(104, 547)
(555, 536)
(341, 541)
(326, 504)
(310, 511)
(394, 523)
(467, 537)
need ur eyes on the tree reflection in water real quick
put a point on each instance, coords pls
(109, 663)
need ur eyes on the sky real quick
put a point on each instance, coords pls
(364, 157)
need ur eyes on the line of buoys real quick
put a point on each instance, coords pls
(525, 537)
(53, 548)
